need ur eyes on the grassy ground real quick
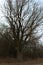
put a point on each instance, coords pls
(12, 61)
(19, 64)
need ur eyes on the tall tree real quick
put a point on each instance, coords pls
(24, 17)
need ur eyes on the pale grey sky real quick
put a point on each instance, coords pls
(2, 1)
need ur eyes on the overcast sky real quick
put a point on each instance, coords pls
(2, 1)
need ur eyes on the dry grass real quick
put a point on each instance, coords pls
(12, 61)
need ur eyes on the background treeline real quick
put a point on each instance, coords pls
(7, 50)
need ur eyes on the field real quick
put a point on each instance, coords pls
(18, 64)
(12, 61)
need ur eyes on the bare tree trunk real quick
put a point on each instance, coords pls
(19, 56)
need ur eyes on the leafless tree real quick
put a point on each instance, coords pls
(24, 17)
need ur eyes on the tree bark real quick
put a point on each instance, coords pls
(19, 56)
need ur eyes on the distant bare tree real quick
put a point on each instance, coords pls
(24, 17)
